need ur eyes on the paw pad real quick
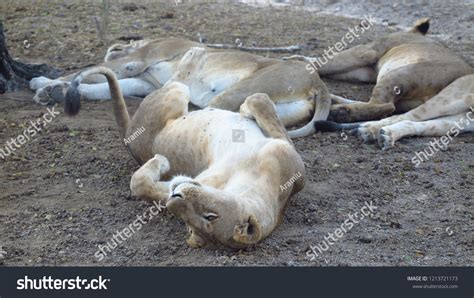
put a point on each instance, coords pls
(385, 139)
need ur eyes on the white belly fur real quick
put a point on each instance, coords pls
(292, 113)
(206, 85)
(225, 133)
(162, 71)
(209, 84)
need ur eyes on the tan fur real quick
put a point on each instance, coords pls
(449, 112)
(235, 75)
(407, 67)
(414, 75)
(232, 194)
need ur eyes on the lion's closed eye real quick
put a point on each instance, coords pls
(210, 216)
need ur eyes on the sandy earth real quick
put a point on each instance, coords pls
(67, 190)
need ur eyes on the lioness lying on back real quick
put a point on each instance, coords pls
(414, 75)
(224, 82)
(232, 194)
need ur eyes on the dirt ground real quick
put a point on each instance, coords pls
(66, 191)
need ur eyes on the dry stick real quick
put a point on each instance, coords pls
(301, 57)
(104, 21)
(305, 58)
(288, 49)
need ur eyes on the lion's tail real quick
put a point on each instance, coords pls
(330, 126)
(73, 98)
(322, 105)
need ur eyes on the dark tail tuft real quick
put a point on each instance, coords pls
(73, 99)
(326, 126)
(330, 126)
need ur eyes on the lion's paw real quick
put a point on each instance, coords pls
(366, 134)
(51, 94)
(245, 111)
(385, 139)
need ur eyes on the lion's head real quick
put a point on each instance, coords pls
(213, 217)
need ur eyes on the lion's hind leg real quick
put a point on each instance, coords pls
(130, 87)
(261, 108)
(57, 93)
(146, 184)
(359, 75)
(336, 99)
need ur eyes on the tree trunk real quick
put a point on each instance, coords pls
(15, 75)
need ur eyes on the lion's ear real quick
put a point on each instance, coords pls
(421, 26)
(249, 232)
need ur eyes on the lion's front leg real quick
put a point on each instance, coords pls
(369, 131)
(356, 58)
(146, 184)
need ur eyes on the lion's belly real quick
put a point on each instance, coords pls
(162, 71)
(195, 141)
(204, 89)
(213, 80)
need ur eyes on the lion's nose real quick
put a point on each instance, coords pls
(176, 195)
(177, 204)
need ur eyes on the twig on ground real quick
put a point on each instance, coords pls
(287, 49)
(301, 57)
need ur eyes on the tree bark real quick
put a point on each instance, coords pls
(15, 75)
